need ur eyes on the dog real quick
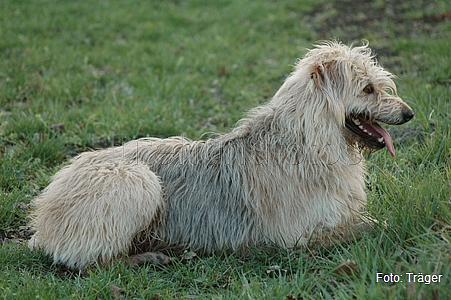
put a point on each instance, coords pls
(289, 173)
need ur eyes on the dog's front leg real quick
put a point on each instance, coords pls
(351, 231)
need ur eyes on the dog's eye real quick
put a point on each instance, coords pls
(369, 89)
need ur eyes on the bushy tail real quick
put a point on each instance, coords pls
(91, 211)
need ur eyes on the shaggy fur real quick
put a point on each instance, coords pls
(290, 170)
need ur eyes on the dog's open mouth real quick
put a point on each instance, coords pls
(372, 134)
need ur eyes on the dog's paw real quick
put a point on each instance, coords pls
(34, 243)
(154, 258)
(356, 230)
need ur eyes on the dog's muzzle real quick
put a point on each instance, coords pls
(372, 134)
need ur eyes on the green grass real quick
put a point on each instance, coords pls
(111, 71)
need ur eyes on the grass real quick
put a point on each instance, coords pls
(80, 75)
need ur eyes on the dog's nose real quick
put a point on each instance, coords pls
(408, 114)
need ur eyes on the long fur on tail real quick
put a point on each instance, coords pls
(93, 209)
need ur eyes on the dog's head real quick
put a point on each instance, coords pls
(359, 92)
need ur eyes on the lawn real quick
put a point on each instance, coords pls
(85, 75)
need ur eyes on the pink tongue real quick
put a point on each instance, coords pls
(385, 135)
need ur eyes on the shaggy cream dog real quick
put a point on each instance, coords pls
(289, 172)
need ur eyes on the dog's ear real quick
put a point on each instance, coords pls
(329, 81)
(321, 73)
(317, 74)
